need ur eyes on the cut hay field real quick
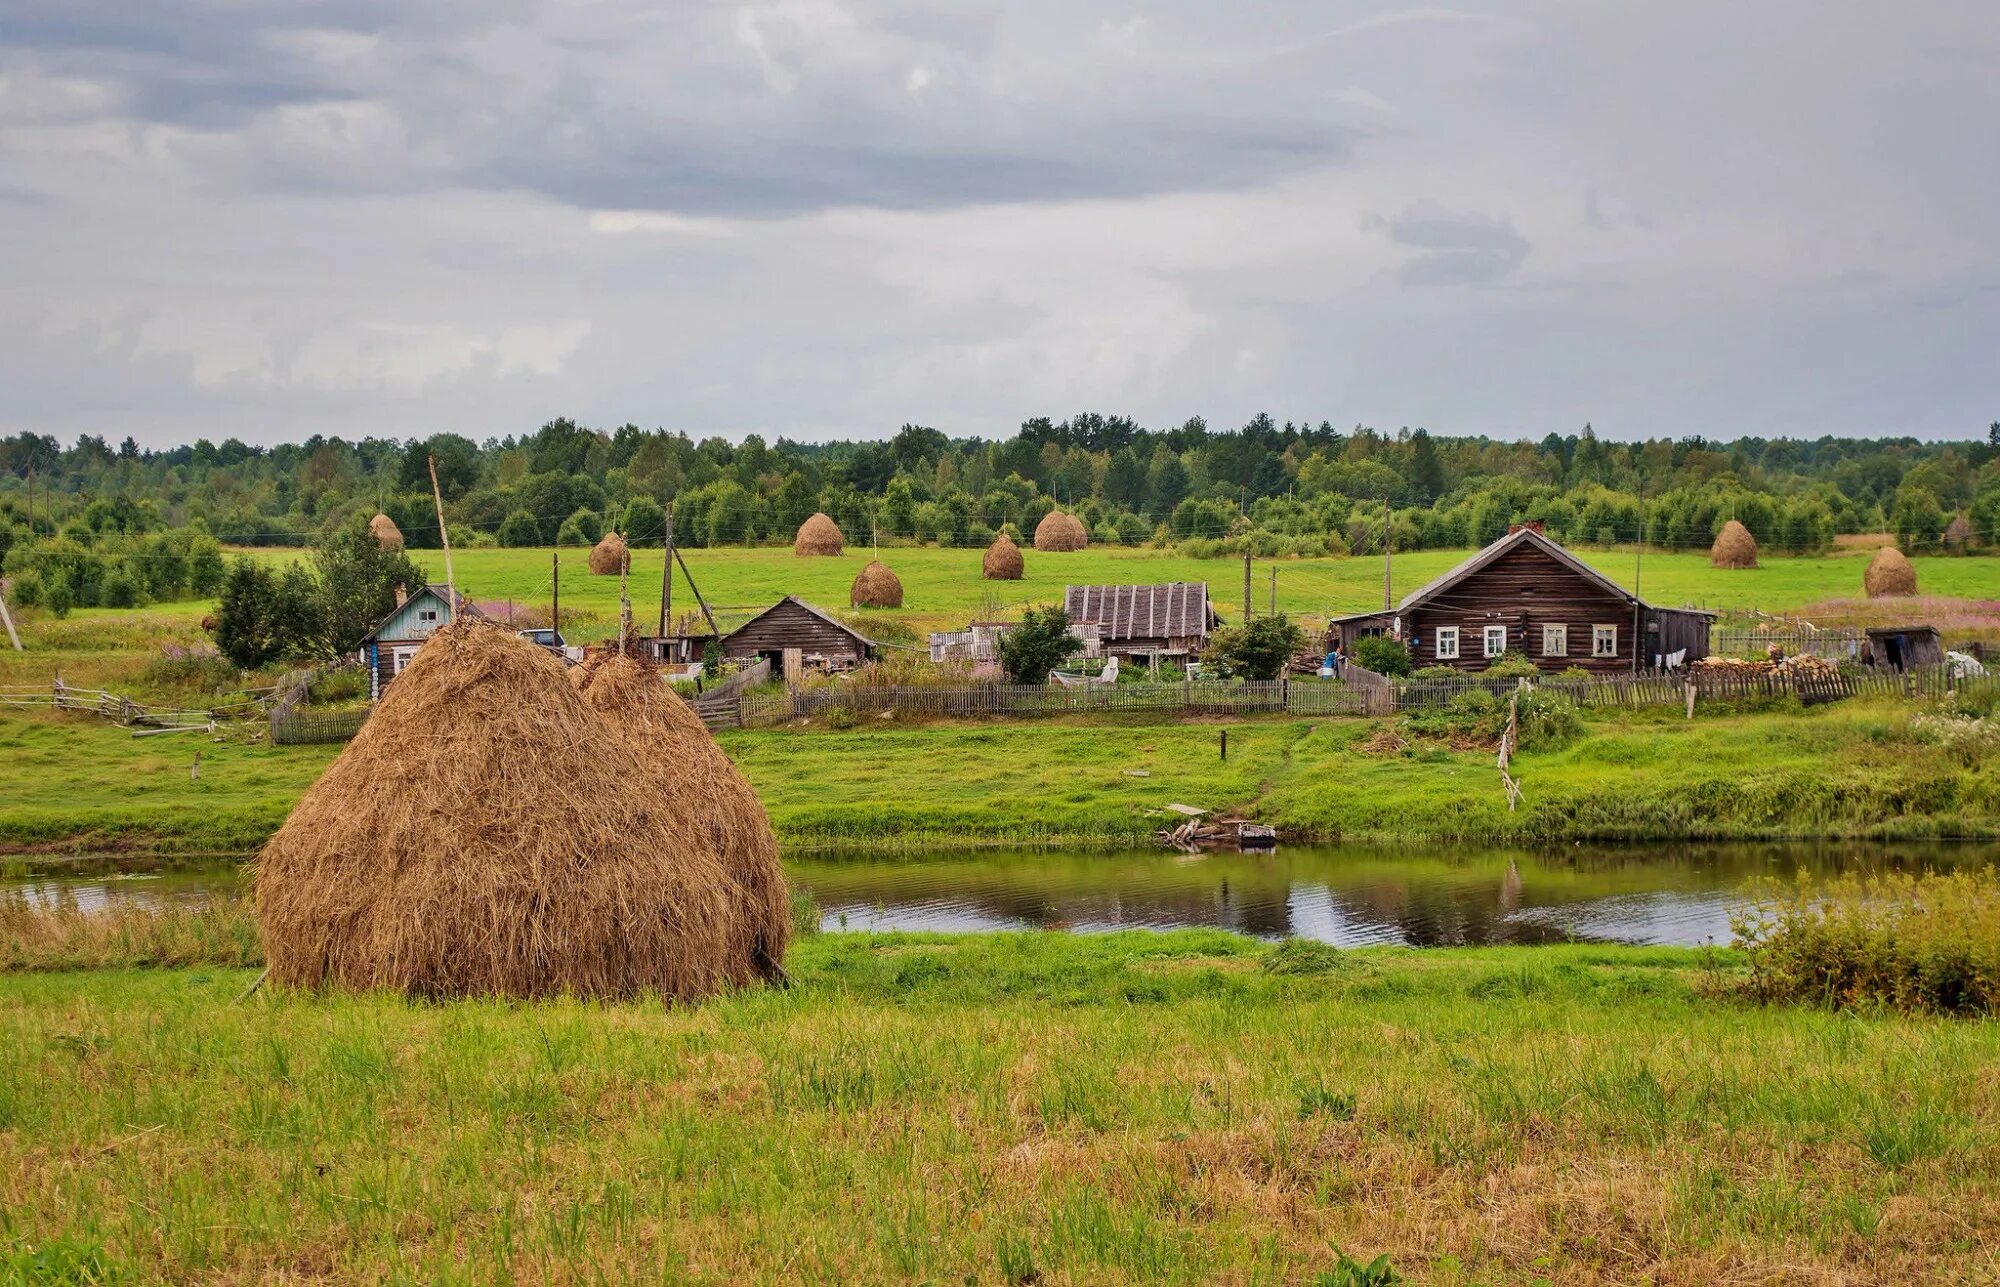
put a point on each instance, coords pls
(942, 588)
(1851, 770)
(1130, 1108)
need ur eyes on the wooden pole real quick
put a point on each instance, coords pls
(437, 498)
(709, 616)
(555, 593)
(1246, 589)
(624, 603)
(1388, 540)
(1274, 592)
(8, 617)
(667, 579)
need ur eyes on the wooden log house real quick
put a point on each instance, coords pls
(388, 648)
(1526, 594)
(820, 641)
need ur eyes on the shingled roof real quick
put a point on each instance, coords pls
(1178, 609)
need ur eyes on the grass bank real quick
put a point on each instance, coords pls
(1846, 771)
(1190, 1107)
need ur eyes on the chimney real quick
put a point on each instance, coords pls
(402, 594)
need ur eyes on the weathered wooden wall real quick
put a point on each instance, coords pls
(791, 625)
(1523, 590)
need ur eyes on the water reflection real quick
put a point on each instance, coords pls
(1346, 895)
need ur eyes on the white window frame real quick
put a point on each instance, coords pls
(1487, 641)
(1559, 636)
(399, 658)
(1447, 635)
(1599, 637)
(428, 616)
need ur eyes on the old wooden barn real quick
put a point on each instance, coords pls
(1526, 594)
(1141, 621)
(822, 642)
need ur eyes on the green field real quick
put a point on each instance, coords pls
(1132, 1108)
(942, 587)
(1850, 770)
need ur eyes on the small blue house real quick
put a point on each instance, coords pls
(389, 647)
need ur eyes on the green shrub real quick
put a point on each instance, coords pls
(1438, 671)
(1927, 944)
(1547, 721)
(842, 717)
(1513, 665)
(1381, 654)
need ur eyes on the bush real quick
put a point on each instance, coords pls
(1257, 651)
(1381, 654)
(519, 530)
(581, 528)
(1513, 665)
(197, 668)
(1926, 944)
(58, 598)
(1546, 721)
(1437, 670)
(1038, 645)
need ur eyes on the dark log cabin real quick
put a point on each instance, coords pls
(1526, 594)
(823, 643)
(1141, 621)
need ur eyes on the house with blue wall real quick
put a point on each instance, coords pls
(389, 647)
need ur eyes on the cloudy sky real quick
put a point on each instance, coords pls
(822, 218)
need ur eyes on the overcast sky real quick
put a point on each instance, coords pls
(823, 218)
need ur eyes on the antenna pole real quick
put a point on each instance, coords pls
(1388, 544)
(555, 593)
(667, 580)
(437, 498)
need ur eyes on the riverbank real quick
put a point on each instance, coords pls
(1192, 1107)
(1848, 771)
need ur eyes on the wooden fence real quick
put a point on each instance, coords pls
(722, 705)
(293, 726)
(123, 710)
(1842, 644)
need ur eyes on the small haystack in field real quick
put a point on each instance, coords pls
(818, 535)
(1889, 575)
(1002, 560)
(684, 760)
(876, 587)
(1958, 534)
(1060, 533)
(386, 533)
(608, 555)
(1734, 547)
(487, 833)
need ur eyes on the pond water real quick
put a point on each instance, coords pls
(1347, 895)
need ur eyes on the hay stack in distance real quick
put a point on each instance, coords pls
(684, 760)
(386, 533)
(1958, 534)
(1002, 560)
(608, 555)
(1060, 533)
(818, 535)
(876, 587)
(1734, 547)
(488, 834)
(1889, 575)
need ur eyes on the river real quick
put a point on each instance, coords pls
(1347, 895)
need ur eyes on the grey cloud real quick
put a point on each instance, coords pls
(1459, 249)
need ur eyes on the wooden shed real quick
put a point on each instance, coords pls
(1169, 620)
(1905, 647)
(1526, 594)
(395, 639)
(823, 643)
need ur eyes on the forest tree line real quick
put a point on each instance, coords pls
(97, 524)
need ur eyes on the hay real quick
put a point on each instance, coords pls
(684, 760)
(487, 833)
(1060, 533)
(876, 587)
(818, 535)
(1958, 534)
(1002, 560)
(1889, 575)
(386, 533)
(608, 555)
(1734, 547)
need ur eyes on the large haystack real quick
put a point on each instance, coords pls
(684, 760)
(876, 587)
(818, 535)
(1889, 575)
(608, 555)
(1734, 547)
(386, 533)
(1958, 534)
(1002, 561)
(1060, 533)
(487, 833)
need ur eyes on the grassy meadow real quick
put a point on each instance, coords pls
(1848, 770)
(1131, 1108)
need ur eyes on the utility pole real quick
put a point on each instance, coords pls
(667, 580)
(1274, 592)
(1388, 544)
(444, 537)
(1246, 589)
(555, 593)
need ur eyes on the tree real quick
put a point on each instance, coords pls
(1426, 470)
(267, 616)
(356, 583)
(1258, 650)
(644, 520)
(584, 527)
(1381, 654)
(1993, 434)
(519, 530)
(1029, 651)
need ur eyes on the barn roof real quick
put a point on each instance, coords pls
(1174, 610)
(459, 604)
(833, 621)
(1519, 536)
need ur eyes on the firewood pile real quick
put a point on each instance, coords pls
(1801, 666)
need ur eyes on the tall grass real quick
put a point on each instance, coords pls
(59, 934)
(1926, 943)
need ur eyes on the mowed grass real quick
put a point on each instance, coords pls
(1132, 1108)
(1842, 771)
(942, 587)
